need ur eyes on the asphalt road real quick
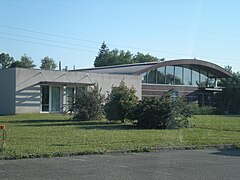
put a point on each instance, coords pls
(175, 164)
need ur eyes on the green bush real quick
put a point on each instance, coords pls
(162, 113)
(121, 103)
(88, 104)
(205, 110)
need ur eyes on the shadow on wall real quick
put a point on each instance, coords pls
(29, 96)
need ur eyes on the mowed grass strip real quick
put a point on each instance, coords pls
(45, 135)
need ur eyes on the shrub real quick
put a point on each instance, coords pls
(162, 113)
(88, 104)
(205, 110)
(121, 103)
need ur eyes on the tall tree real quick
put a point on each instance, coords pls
(102, 55)
(48, 63)
(25, 62)
(140, 58)
(5, 60)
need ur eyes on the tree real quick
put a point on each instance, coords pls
(100, 58)
(108, 57)
(88, 104)
(25, 62)
(231, 93)
(48, 63)
(114, 57)
(121, 103)
(140, 58)
(5, 60)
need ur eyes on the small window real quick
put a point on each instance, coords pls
(174, 95)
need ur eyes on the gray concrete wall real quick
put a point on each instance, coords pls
(28, 95)
(7, 91)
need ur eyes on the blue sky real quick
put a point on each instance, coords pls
(72, 31)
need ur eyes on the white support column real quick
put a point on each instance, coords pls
(64, 94)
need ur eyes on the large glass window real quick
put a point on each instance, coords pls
(187, 76)
(203, 79)
(69, 97)
(152, 77)
(161, 75)
(195, 77)
(211, 82)
(178, 75)
(169, 75)
(144, 77)
(45, 98)
(55, 99)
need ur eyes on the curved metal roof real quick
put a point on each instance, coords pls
(211, 68)
(139, 68)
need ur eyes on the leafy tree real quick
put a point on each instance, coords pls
(25, 62)
(114, 57)
(233, 82)
(48, 63)
(16, 64)
(108, 57)
(121, 103)
(231, 93)
(5, 60)
(140, 58)
(162, 113)
(88, 104)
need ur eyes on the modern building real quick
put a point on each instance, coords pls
(34, 91)
(194, 79)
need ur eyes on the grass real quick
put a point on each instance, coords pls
(46, 135)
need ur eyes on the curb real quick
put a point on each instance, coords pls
(159, 149)
(115, 152)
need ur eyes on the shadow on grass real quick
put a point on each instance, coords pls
(112, 126)
(88, 125)
(228, 152)
(37, 121)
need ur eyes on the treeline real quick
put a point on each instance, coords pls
(107, 57)
(6, 61)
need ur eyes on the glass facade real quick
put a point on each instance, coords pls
(203, 79)
(152, 77)
(161, 75)
(144, 77)
(187, 76)
(55, 100)
(45, 98)
(177, 75)
(195, 77)
(69, 97)
(169, 75)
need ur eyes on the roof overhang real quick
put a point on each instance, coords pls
(65, 83)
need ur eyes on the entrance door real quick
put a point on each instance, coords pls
(45, 98)
(55, 99)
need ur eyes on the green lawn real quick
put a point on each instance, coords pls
(45, 135)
